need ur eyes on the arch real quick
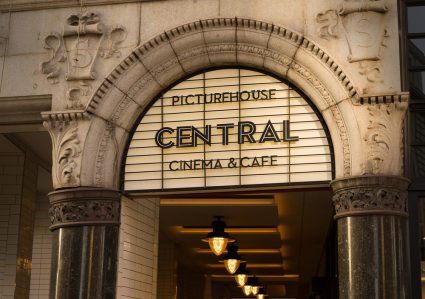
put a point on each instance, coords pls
(185, 50)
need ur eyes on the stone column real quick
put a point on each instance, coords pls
(85, 225)
(371, 217)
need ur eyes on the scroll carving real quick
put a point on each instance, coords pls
(363, 25)
(66, 152)
(383, 139)
(84, 38)
(76, 94)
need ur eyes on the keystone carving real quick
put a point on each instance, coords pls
(363, 25)
(83, 39)
(66, 152)
(370, 195)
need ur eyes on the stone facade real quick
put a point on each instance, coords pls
(101, 63)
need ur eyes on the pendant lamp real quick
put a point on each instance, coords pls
(241, 275)
(218, 238)
(232, 259)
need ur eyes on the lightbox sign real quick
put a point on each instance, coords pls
(227, 128)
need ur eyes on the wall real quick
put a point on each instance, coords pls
(18, 183)
(167, 268)
(138, 248)
(42, 250)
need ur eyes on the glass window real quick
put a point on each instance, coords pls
(417, 50)
(417, 84)
(416, 19)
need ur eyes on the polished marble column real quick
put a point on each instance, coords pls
(85, 225)
(371, 216)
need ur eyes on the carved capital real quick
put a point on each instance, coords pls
(84, 206)
(67, 131)
(369, 194)
(382, 132)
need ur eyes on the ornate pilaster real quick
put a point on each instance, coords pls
(85, 223)
(371, 216)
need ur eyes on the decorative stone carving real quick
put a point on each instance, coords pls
(383, 139)
(66, 152)
(108, 143)
(363, 25)
(370, 195)
(76, 94)
(84, 38)
(84, 206)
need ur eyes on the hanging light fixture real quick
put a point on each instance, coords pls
(232, 259)
(218, 239)
(255, 286)
(247, 288)
(261, 294)
(241, 275)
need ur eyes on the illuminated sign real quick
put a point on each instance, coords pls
(228, 128)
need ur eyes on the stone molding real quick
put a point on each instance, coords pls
(110, 114)
(25, 5)
(84, 206)
(238, 24)
(196, 46)
(370, 195)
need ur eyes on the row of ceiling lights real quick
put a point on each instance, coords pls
(219, 241)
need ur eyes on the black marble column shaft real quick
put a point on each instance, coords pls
(85, 224)
(371, 217)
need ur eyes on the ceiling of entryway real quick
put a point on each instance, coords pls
(281, 235)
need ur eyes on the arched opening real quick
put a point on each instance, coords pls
(249, 146)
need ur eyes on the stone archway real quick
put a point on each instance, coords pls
(151, 68)
(89, 144)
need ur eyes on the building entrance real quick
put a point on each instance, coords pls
(285, 238)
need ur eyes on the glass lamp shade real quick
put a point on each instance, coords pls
(218, 238)
(255, 290)
(218, 245)
(232, 265)
(247, 290)
(241, 279)
(261, 294)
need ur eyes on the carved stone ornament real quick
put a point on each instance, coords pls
(83, 39)
(384, 139)
(363, 24)
(66, 152)
(84, 206)
(365, 195)
(76, 94)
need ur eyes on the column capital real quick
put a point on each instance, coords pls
(84, 206)
(370, 194)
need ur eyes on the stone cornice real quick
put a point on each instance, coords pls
(26, 5)
(23, 110)
(68, 115)
(400, 97)
(84, 206)
(370, 194)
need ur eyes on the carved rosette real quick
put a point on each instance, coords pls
(369, 194)
(84, 206)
